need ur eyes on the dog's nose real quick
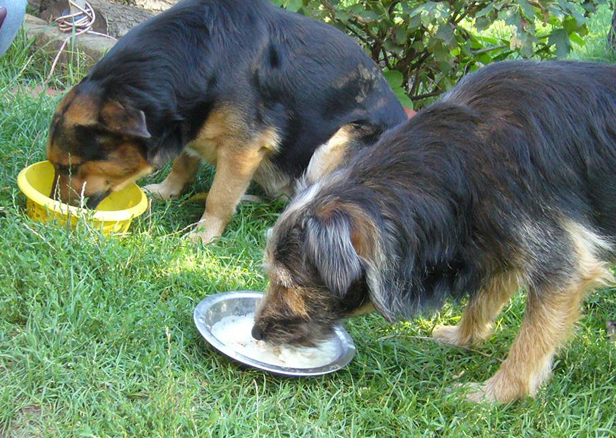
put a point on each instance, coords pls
(256, 333)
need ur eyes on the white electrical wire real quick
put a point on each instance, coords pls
(77, 23)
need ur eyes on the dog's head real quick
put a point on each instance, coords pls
(96, 144)
(318, 261)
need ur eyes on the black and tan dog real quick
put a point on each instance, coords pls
(248, 86)
(507, 182)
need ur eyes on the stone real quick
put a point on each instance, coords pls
(49, 39)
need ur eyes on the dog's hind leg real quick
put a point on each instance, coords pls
(184, 169)
(478, 317)
(551, 312)
(549, 318)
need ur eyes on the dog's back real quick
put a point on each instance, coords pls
(536, 136)
(556, 122)
(304, 78)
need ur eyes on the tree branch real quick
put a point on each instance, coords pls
(489, 49)
(427, 95)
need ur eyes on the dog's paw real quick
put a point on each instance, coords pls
(454, 335)
(479, 393)
(500, 388)
(207, 230)
(448, 334)
(201, 237)
(473, 392)
(161, 191)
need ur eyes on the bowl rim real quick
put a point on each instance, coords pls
(70, 210)
(343, 360)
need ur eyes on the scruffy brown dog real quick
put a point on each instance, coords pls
(508, 182)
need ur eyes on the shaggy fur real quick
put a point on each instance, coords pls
(509, 181)
(245, 85)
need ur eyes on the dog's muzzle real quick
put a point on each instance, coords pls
(96, 199)
(256, 333)
(92, 202)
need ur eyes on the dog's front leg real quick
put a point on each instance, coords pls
(480, 313)
(183, 171)
(235, 167)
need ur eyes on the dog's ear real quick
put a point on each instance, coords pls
(124, 120)
(344, 243)
(328, 244)
(338, 238)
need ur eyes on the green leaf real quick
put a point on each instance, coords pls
(482, 24)
(560, 39)
(441, 53)
(502, 56)
(467, 49)
(403, 97)
(529, 11)
(428, 8)
(556, 14)
(293, 5)
(418, 46)
(445, 67)
(570, 24)
(577, 39)
(485, 11)
(445, 33)
(342, 16)
(401, 36)
(579, 18)
(356, 9)
(487, 40)
(407, 9)
(414, 22)
(513, 19)
(394, 78)
(485, 58)
(392, 47)
(369, 15)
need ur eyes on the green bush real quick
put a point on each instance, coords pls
(425, 46)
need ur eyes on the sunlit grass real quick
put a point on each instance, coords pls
(96, 334)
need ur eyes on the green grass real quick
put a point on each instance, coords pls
(97, 339)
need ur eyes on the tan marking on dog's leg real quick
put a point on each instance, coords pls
(478, 317)
(550, 317)
(184, 169)
(234, 171)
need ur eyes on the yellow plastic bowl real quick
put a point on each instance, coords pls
(112, 216)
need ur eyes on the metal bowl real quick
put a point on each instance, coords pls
(216, 307)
